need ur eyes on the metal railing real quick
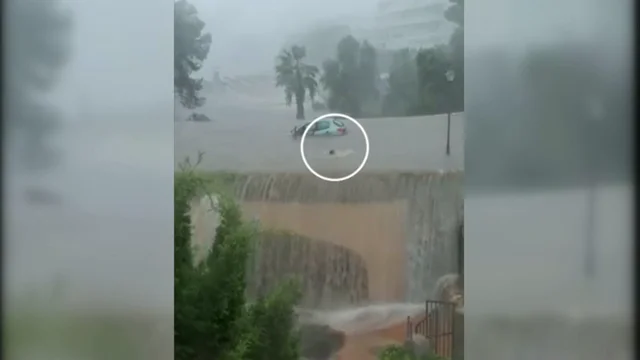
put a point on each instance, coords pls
(438, 327)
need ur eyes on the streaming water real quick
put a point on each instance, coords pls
(367, 318)
(394, 235)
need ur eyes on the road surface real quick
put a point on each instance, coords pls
(255, 137)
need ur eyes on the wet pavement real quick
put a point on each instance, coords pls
(251, 139)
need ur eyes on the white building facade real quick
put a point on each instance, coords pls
(412, 24)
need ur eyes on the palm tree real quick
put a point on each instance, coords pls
(296, 77)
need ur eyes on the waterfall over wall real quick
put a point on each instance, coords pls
(329, 275)
(402, 227)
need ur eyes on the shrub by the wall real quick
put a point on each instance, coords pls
(398, 352)
(213, 319)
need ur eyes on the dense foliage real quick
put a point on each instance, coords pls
(397, 352)
(455, 14)
(213, 317)
(351, 79)
(435, 90)
(417, 81)
(402, 95)
(191, 47)
(296, 78)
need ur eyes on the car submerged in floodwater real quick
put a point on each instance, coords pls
(325, 127)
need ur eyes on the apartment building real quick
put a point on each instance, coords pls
(411, 24)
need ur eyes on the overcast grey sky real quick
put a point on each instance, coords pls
(247, 34)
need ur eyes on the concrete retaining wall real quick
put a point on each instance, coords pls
(404, 226)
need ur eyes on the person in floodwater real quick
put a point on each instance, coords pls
(340, 153)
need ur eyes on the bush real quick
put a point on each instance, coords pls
(213, 318)
(397, 352)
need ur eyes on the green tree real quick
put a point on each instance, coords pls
(402, 98)
(296, 77)
(213, 318)
(455, 14)
(368, 79)
(423, 87)
(191, 47)
(351, 79)
(270, 324)
(398, 352)
(434, 90)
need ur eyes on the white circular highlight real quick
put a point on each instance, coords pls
(366, 152)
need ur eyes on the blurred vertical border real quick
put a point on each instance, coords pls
(550, 104)
(87, 179)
